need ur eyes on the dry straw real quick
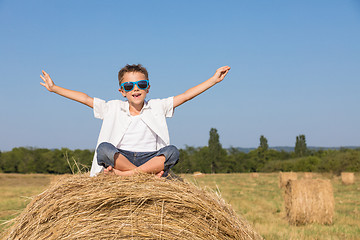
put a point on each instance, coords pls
(308, 175)
(284, 177)
(139, 207)
(254, 175)
(347, 178)
(309, 201)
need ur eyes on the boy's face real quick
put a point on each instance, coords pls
(136, 95)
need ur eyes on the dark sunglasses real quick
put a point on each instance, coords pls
(128, 86)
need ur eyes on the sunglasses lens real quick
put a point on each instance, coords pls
(142, 84)
(128, 86)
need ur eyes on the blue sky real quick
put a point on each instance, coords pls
(295, 68)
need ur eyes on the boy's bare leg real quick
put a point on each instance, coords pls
(154, 165)
(112, 171)
(124, 167)
(122, 163)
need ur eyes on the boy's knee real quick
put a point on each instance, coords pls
(173, 155)
(102, 146)
(174, 151)
(105, 154)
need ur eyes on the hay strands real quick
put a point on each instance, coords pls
(138, 207)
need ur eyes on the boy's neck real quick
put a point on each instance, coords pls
(135, 110)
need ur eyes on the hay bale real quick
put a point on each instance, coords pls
(308, 175)
(139, 207)
(254, 175)
(309, 201)
(55, 178)
(284, 177)
(198, 174)
(347, 178)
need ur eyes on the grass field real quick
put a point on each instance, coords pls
(259, 200)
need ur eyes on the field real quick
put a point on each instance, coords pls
(259, 200)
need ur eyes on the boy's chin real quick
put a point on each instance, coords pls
(137, 100)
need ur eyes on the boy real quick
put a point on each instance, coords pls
(134, 136)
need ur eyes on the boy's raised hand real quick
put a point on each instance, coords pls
(194, 91)
(71, 94)
(221, 73)
(48, 83)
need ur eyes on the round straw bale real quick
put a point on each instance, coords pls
(347, 178)
(138, 207)
(55, 178)
(284, 177)
(309, 201)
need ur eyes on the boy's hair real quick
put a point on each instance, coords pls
(132, 68)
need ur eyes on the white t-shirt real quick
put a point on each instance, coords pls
(138, 137)
(116, 119)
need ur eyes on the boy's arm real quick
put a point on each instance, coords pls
(74, 95)
(202, 87)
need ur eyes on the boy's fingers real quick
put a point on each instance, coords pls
(45, 74)
(43, 78)
(227, 68)
(223, 74)
(224, 68)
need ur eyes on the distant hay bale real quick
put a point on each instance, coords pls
(347, 178)
(308, 175)
(309, 201)
(139, 207)
(198, 174)
(254, 175)
(284, 177)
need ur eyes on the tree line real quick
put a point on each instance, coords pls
(212, 158)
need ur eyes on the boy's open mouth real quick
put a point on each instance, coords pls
(136, 95)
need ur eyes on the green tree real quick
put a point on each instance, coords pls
(201, 160)
(186, 162)
(244, 162)
(262, 150)
(11, 160)
(263, 143)
(339, 161)
(300, 146)
(236, 157)
(307, 164)
(216, 153)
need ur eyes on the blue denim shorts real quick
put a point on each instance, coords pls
(106, 152)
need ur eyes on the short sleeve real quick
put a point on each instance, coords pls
(168, 106)
(100, 108)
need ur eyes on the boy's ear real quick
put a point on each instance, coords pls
(147, 90)
(122, 92)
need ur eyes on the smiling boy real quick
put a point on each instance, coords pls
(134, 135)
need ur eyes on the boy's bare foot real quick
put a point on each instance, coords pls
(112, 171)
(159, 174)
(109, 170)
